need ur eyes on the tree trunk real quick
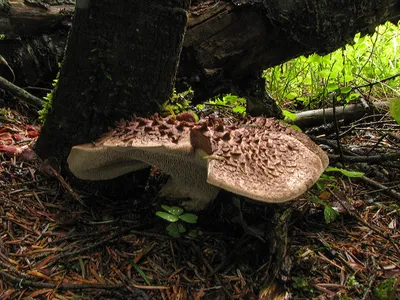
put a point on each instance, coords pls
(120, 59)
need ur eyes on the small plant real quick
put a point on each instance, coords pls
(228, 101)
(385, 289)
(352, 281)
(330, 214)
(48, 101)
(326, 181)
(177, 218)
(177, 103)
(301, 283)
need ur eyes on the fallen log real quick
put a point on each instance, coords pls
(347, 113)
(28, 18)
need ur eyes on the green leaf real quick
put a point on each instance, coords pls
(295, 127)
(315, 58)
(288, 115)
(181, 228)
(352, 96)
(316, 200)
(189, 218)
(321, 185)
(325, 73)
(172, 227)
(193, 233)
(352, 174)
(174, 234)
(332, 86)
(196, 117)
(166, 216)
(291, 95)
(173, 210)
(330, 214)
(239, 109)
(394, 108)
(302, 99)
(345, 90)
(140, 271)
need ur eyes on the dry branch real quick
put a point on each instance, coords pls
(348, 113)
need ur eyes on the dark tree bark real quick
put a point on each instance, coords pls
(121, 59)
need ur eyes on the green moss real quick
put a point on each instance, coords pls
(384, 289)
(46, 109)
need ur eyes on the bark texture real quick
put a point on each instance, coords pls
(120, 59)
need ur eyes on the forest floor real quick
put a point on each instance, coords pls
(59, 244)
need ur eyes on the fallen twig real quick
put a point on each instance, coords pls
(379, 158)
(20, 93)
(386, 190)
(21, 282)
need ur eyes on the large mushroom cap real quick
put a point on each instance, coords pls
(264, 160)
(259, 158)
(91, 162)
(130, 147)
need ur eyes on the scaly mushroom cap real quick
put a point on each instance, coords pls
(259, 158)
(262, 159)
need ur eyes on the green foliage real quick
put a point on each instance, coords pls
(175, 216)
(288, 115)
(352, 281)
(177, 103)
(384, 289)
(326, 181)
(4, 111)
(167, 216)
(48, 101)
(351, 174)
(330, 214)
(301, 283)
(312, 80)
(228, 101)
(394, 108)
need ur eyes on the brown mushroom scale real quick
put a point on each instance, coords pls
(260, 158)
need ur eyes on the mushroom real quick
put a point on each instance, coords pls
(260, 158)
